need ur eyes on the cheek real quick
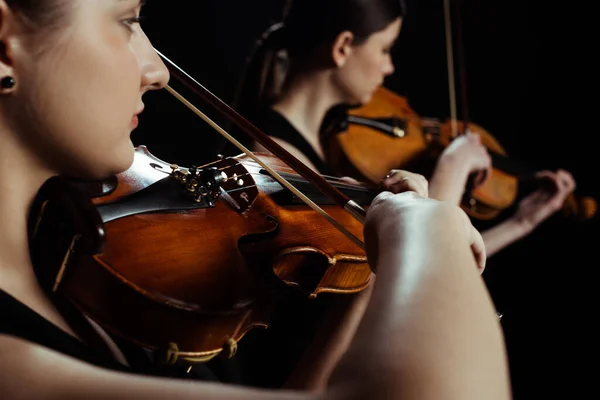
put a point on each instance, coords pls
(374, 66)
(85, 109)
(368, 78)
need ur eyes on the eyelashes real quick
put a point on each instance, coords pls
(130, 22)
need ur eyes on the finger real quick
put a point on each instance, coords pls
(549, 181)
(482, 176)
(479, 178)
(387, 197)
(544, 174)
(565, 181)
(473, 136)
(547, 176)
(347, 179)
(380, 198)
(398, 181)
(408, 184)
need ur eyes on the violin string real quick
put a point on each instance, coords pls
(238, 189)
(236, 177)
(209, 164)
(273, 173)
(291, 171)
(250, 186)
(292, 178)
(300, 180)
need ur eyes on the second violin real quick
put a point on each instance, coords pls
(369, 141)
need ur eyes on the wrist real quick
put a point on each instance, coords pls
(521, 226)
(449, 180)
(451, 166)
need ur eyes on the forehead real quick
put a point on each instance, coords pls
(390, 32)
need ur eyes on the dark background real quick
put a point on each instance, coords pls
(531, 83)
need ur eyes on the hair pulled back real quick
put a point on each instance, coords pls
(309, 25)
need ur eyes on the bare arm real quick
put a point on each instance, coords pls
(446, 341)
(532, 211)
(448, 181)
(429, 331)
(332, 339)
(339, 325)
(464, 156)
(58, 377)
(502, 235)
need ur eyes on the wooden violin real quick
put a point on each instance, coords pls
(185, 261)
(368, 141)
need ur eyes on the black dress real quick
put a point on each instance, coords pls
(276, 125)
(18, 320)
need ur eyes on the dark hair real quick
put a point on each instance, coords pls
(39, 14)
(308, 26)
(312, 23)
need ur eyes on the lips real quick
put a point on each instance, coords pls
(135, 120)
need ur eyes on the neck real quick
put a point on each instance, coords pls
(305, 102)
(20, 178)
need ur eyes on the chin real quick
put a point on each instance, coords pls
(119, 161)
(123, 158)
(366, 98)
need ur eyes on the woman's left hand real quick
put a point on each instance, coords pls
(541, 204)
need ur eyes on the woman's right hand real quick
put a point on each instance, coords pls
(467, 153)
(389, 212)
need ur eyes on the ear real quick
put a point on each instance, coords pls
(7, 27)
(342, 48)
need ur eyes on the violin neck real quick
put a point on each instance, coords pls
(361, 194)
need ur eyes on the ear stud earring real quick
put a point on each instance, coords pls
(8, 82)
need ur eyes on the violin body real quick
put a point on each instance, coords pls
(183, 262)
(387, 134)
(367, 153)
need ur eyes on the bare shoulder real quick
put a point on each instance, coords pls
(290, 148)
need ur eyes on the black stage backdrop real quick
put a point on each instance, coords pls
(530, 84)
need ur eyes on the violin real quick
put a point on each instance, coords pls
(185, 261)
(196, 254)
(386, 133)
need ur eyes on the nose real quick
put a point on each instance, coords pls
(155, 74)
(388, 68)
